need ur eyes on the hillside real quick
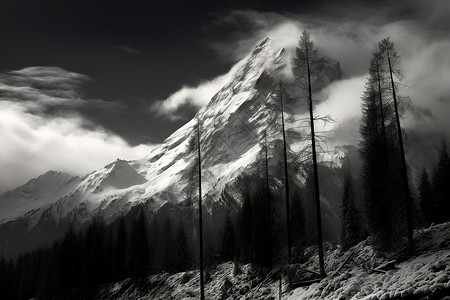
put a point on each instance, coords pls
(366, 275)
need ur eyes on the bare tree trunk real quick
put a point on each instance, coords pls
(268, 198)
(316, 176)
(403, 165)
(286, 178)
(200, 213)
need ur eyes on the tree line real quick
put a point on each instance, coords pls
(434, 191)
(74, 267)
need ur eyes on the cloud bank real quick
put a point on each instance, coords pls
(39, 131)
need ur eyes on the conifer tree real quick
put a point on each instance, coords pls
(27, 278)
(441, 186)
(307, 72)
(109, 256)
(228, 239)
(387, 209)
(120, 251)
(167, 242)
(69, 262)
(297, 224)
(93, 254)
(350, 220)
(182, 251)
(426, 198)
(376, 72)
(387, 50)
(7, 286)
(262, 240)
(374, 167)
(48, 288)
(245, 221)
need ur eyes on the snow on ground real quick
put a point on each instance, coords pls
(423, 276)
(220, 284)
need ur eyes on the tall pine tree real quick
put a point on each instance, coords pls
(307, 70)
(387, 50)
(385, 184)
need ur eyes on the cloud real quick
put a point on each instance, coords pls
(128, 49)
(43, 88)
(197, 96)
(343, 99)
(34, 142)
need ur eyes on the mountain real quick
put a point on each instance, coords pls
(35, 194)
(232, 126)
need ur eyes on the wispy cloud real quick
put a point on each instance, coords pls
(196, 96)
(34, 141)
(128, 49)
(43, 88)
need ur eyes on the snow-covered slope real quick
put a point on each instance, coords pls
(36, 193)
(426, 275)
(117, 175)
(423, 276)
(232, 126)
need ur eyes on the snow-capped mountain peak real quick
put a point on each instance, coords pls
(117, 175)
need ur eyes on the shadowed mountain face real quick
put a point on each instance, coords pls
(232, 126)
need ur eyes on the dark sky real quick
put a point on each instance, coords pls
(135, 52)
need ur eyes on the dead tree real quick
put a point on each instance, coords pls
(307, 60)
(269, 217)
(286, 178)
(200, 213)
